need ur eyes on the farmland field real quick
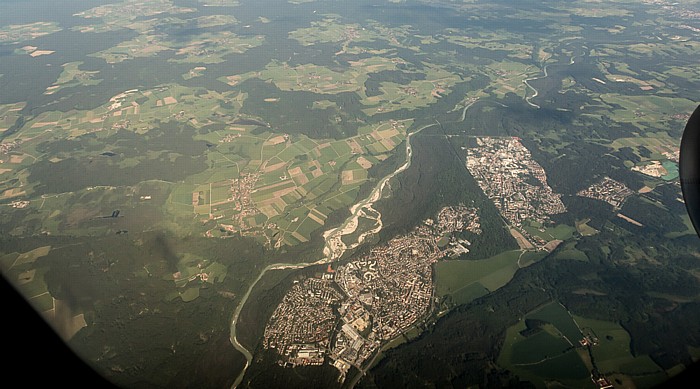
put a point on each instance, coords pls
(173, 171)
(454, 275)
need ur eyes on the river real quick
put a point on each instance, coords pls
(334, 247)
(527, 82)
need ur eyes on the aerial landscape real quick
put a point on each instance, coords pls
(371, 194)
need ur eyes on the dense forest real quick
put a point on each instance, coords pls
(658, 326)
(432, 183)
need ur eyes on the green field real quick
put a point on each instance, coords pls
(72, 76)
(642, 110)
(557, 315)
(560, 231)
(527, 258)
(469, 293)
(468, 279)
(569, 251)
(15, 33)
(567, 368)
(538, 347)
(542, 357)
(613, 352)
(42, 302)
(189, 294)
(584, 229)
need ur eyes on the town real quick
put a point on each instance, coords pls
(380, 295)
(516, 184)
(608, 190)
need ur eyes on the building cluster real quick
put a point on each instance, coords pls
(384, 293)
(456, 219)
(608, 190)
(241, 189)
(19, 204)
(301, 326)
(409, 90)
(354, 342)
(392, 286)
(516, 184)
(121, 125)
(243, 205)
(229, 138)
(6, 147)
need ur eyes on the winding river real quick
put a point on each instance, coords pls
(527, 82)
(572, 60)
(334, 247)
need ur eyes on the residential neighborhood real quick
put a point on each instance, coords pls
(349, 312)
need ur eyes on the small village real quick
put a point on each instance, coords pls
(608, 190)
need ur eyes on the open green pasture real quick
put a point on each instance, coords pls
(473, 276)
(557, 315)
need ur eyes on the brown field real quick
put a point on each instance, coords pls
(552, 244)
(17, 158)
(388, 143)
(300, 179)
(362, 161)
(274, 141)
(267, 210)
(347, 177)
(169, 100)
(233, 80)
(80, 214)
(14, 192)
(522, 242)
(354, 146)
(272, 185)
(43, 124)
(31, 256)
(5, 170)
(272, 168)
(436, 92)
(41, 52)
(316, 218)
(267, 207)
(284, 191)
(629, 219)
(317, 172)
(299, 236)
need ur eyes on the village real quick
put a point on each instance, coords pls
(516, 183)
(608, 190)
